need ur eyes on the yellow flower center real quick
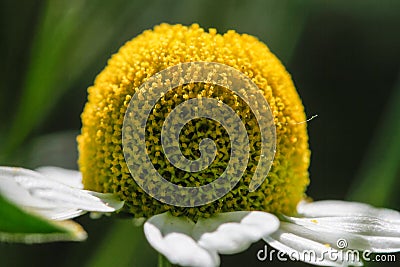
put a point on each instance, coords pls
(102, 159)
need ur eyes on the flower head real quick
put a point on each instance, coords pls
(100, 145)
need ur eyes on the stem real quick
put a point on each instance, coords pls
(163, 262)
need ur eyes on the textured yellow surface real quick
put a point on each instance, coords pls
(100, 143)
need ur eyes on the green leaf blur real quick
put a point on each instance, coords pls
(19, 226)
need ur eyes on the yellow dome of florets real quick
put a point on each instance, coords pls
(101, 157)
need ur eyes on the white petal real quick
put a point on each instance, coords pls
(357, 225)
(328, 208)
(233, 232)
(295, 241)
(37, 192)
(108, 199)
(13, 191)
(364, 227)
(171, 236)
(62, 195)
(361, 233)
(58, 214)
(68, 177)
(188, 244)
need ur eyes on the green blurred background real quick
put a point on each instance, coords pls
(344, 57)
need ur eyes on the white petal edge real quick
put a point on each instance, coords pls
(171, 236)
(361, 233)
(329, 208)
(234, 232)
(68, 177)
(58, 214)
(291, 240)
(50, 198)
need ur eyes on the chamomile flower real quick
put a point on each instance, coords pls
(195, 235)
